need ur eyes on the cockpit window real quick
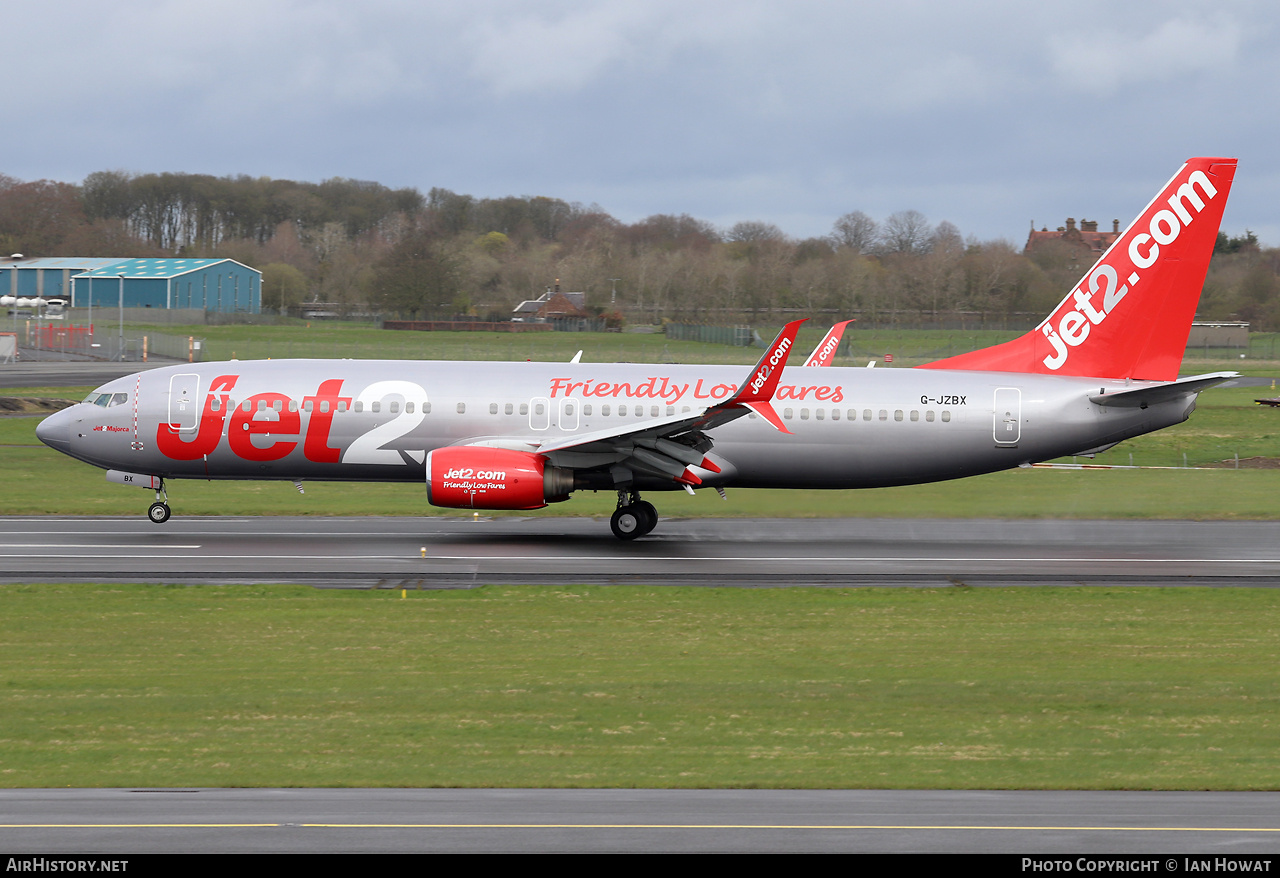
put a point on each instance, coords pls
(106, 400)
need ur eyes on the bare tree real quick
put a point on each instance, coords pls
(856, 231)
(906, 231)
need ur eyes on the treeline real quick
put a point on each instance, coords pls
(364, 247)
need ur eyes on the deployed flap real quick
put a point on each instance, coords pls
(1142, 397)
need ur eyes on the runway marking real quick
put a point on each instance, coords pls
(96, 546)
(755, 826)
(826, 559)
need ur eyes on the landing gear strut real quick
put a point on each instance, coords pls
(633, 517)
(159, 510)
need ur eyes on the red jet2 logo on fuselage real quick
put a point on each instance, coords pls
(286, 425)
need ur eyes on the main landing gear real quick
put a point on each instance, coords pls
(633, 517)
(159, 511)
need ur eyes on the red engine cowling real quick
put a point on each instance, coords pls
(473, 477)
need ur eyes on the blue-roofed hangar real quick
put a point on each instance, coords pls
(205, 284)
(208, 284)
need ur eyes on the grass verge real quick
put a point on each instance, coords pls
(648, 687)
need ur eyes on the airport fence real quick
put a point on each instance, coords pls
(736, 336)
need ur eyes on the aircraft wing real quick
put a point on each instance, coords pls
(668, 445)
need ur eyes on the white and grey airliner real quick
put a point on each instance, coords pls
(488, 435)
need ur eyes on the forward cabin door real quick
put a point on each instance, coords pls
(184, 402)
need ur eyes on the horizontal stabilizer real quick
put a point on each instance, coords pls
(1142, 397)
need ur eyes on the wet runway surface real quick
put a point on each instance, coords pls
(460, 553)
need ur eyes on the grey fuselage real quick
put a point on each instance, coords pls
(368, 420)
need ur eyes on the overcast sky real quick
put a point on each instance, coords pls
(986, 114)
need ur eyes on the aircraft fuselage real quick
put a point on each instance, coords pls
(377, 420)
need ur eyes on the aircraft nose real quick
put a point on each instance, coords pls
(55, 431)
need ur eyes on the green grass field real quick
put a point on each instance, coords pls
(650, 687)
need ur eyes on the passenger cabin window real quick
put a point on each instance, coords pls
(946, 416)
(493, 408)
(462, 408)
(507, 409)
(524, 408)
(375, 406)
(394, 407)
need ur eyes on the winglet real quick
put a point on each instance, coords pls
(757, 393)
(825, 352)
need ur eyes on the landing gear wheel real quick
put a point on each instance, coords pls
(648, 515)
(159, 512)
(627, 523)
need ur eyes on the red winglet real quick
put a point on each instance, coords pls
(757, 393)
(826, 350)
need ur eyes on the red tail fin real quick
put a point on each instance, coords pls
(1130, 315)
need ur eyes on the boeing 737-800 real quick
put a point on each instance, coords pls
(484, 435)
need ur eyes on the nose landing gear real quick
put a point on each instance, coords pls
(159, 511)
(633, 517)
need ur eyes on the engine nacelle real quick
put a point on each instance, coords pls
(474, 477)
